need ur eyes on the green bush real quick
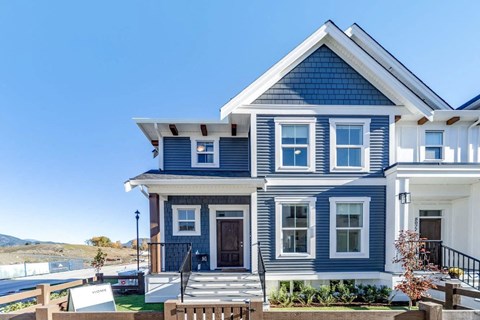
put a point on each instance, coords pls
(346, 293)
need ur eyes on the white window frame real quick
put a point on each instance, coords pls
(216, 152)
(365, 148)
(198, 227)
(365, 237)
(279, 167)
(442, 146)
(311, 236)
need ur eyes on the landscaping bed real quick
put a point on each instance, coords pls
(336, 296)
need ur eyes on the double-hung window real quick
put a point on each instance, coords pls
(295, 144)
(186, 220)
(434, 145)
(205, 152)
(349, 227)
(295, 227)
(349, 145)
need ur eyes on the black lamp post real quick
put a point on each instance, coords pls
(137, 216)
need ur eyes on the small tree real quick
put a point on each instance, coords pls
(410, 251)
(99, 260)
(144, 246)
(134, 244)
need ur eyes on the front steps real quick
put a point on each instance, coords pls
(213, 286)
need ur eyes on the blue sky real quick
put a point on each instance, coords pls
(74, 73)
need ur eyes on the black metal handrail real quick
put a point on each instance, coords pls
(185, 272)
(430, 252)
(261, 272)
(170, 254)
(467, 267)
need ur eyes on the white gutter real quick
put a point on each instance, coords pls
(470, 149)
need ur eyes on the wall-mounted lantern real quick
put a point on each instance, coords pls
(405, 197)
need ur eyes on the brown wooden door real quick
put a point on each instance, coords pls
(229, 243)
(431, 229)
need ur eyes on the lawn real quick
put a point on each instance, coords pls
(340, 308)
(136, 302)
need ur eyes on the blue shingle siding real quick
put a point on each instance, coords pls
(234, 154)
(379, 151)
(322, 262)
(202, 242)
(323, 78)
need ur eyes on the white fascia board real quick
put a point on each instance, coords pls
(274, 74)
(372, 47)
(424, 171)
(225, 182)
(336, 40)
(180, 121)
(308, 181)
(465, 115)
(292, 109)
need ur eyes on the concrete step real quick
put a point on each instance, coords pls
(223, 286)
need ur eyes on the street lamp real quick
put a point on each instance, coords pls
(137, 216)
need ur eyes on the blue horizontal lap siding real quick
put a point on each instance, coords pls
(322, 262)
(379, 151)
(234, 154)
(202, 242)
(323, 78)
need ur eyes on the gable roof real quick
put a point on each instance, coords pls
(472, 104)
(359, 59)
(396, 68)
(323, 78)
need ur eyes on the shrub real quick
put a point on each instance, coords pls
(325, 296)
(281, 297)
(307, 295)
(346, 293)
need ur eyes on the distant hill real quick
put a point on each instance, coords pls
(8, 241)
(129, 243)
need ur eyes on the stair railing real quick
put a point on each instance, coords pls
(467, 267)
(185, 272)
(261, 272)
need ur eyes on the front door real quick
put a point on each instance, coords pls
(229, 243)
(431, 229)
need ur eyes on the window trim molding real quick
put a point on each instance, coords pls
(311, 233)
(216, 152)
(365, 238)
(434, 146)
(365, 149)
(279, 121)
(198, 226)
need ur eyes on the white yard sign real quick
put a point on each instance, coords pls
(91, 298)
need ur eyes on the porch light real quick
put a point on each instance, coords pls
(405, 197)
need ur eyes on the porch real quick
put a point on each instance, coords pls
(443, 209)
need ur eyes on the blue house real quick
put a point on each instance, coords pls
(310, 174)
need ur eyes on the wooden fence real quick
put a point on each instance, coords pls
(453, 296)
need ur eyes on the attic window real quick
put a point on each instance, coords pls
(205, 153)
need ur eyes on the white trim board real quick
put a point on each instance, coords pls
(319, 181)
(212, 209)
(298, 275)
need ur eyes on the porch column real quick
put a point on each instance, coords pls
(396, 218)
(155, 257)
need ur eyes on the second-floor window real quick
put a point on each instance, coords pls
(349, 144)
(205, 153)
(434, 145)
(295, 144)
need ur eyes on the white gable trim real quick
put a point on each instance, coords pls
(364, 40)
(342, 45)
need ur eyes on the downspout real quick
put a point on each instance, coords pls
(470, 150)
